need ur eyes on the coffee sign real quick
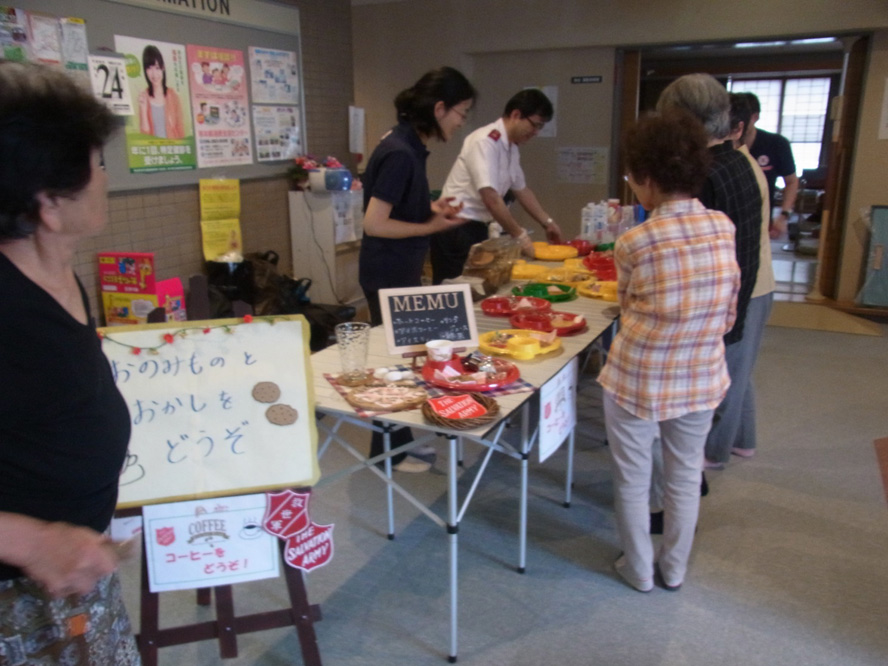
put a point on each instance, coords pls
(413, 316)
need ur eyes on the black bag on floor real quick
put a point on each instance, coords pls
(234, 281)
(278, 294)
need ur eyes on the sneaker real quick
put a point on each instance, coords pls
(414, 466)
(621, 567)
(658, 576)
(712, 464)
(743, 453)
(425, 452)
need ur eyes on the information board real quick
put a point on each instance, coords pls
(413, 316)
(217, 408)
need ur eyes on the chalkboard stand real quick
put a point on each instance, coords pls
(227, 625)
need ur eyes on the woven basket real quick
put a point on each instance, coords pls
(488, 403)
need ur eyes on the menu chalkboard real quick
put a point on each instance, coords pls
(413, 316)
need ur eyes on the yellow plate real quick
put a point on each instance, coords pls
(606, 291)
(521, 270)
(575, 263)
(521, 345)
(546, 252)
(564, 275)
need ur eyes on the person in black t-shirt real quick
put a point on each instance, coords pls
(773, 153)
(399, 215)
(64, 427)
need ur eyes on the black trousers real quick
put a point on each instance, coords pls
(450, 249)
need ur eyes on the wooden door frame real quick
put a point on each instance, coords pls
(845, 112)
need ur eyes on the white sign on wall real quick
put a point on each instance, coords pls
(110, 84)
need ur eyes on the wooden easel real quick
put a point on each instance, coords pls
(226, 627)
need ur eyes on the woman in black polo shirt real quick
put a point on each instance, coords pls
(399, 215)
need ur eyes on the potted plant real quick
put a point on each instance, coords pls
(299, 170)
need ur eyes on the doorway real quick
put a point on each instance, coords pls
(643, 74)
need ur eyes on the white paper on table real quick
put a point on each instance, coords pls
(558, 409)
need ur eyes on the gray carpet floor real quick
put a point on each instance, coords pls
(788, 565)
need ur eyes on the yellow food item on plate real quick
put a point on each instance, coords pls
(547, 252)
(520, 344)
(604, 290)
(521, 270)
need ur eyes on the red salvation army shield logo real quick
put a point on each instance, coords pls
(311, 548)
(286, 513)
(165, 536)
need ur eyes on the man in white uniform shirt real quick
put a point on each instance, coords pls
(487, 169)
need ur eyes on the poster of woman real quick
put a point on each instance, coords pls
(219, 99)
(160, 136)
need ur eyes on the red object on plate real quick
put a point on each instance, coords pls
(455, 362)
(542, 321)
(602, 265)
(506, 306)
(511, 370)
(583, 246)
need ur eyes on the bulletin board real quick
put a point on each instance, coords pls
(107, 18)
(218, 407)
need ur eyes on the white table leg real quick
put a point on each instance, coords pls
(387, 447)
(525, 454)
(568, 482)
(453, 538)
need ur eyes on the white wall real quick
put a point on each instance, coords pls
(396, 42)
(869, 179)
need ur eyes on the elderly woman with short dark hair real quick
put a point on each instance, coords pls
(64, 427)
(665, 372)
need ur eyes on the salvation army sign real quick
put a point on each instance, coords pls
(308, 545)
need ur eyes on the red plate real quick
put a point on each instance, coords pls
(542, 321)
(583, 246)
(505, 306)
(511, 370)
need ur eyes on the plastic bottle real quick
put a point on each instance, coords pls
(586, 221)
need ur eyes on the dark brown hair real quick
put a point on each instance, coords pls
(670, 149)
(416, 104)
(49, 126)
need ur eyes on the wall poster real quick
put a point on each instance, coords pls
(274, 76)
(160, 136)
(220, 106)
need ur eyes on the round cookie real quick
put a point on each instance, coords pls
(281, 415)
(266, 392)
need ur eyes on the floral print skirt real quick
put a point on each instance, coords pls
(92, 629)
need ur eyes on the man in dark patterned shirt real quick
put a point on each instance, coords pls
(731, 188)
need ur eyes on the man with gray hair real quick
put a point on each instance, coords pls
(731, 188)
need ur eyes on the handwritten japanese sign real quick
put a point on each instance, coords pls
(415, 315)
(216, 407)
(558, 409)
(207, 543)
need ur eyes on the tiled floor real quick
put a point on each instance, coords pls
(794, 273)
